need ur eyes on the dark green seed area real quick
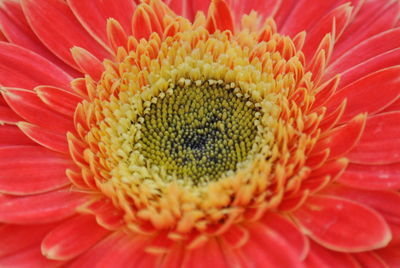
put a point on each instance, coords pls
(198, 132)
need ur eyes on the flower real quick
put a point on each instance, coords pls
(194, 133)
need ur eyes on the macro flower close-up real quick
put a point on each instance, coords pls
(196, 133)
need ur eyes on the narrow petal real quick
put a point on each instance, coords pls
(380, 143)
(49, 139)
(219, 17)
(370, 260)
(326, 220)
(11, 135)
(362, 95)
(26, 69)
(28, 105)
(264, 8)
(56, 15)
(94, 14)
(372, 176)
(342, 139)
(31, 169)
(72, 238)
(88, 63)
(58, 99)
(390, 255)
(144, 22)
(43, 208)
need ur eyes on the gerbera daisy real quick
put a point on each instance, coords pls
(194, 133)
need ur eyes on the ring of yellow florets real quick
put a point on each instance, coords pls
(140, 183)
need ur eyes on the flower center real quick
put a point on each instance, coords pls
(199, 131)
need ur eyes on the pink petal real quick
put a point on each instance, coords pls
(17, 237)
(373, 18)
(288, 231)
(372, 177)
(362, 95)
(58, 99)
(47, 17)
(94, 14)
(72, 238)
(370, 48)
(329, 221)
(26, 69)
(380, 143)
(28, 105)
(28, 258)
(306, 14)
(18, 32)
(342, 139)
(51, 140)
(43, 208)
(388, 59)
(321, 257)
(31, 169)
(11, 135)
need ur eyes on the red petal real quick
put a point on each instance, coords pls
(48, 139)
(380, 143)
(28, 258)
(18, 31)
(47, 17)
(290, 232)
(116, 35)
(25, 69)
(390, 255)
(263, 8)
(88, 63)
(362, 95)
(219, 17)
(58, 100)
(17, 237)
(208, 254)
(11, 135)
(7, 115)
(43, 208)
(145, 22)
(72, 238)
(329, 221)
(381, 201)
(372, 176)
(28, 105)
(117, 250)
(265, 247)
(94, 14)
(342, 139)
(334, 22)
(31, 169)
(320, 257)
(370, 260)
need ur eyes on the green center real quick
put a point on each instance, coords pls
(199, 131)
